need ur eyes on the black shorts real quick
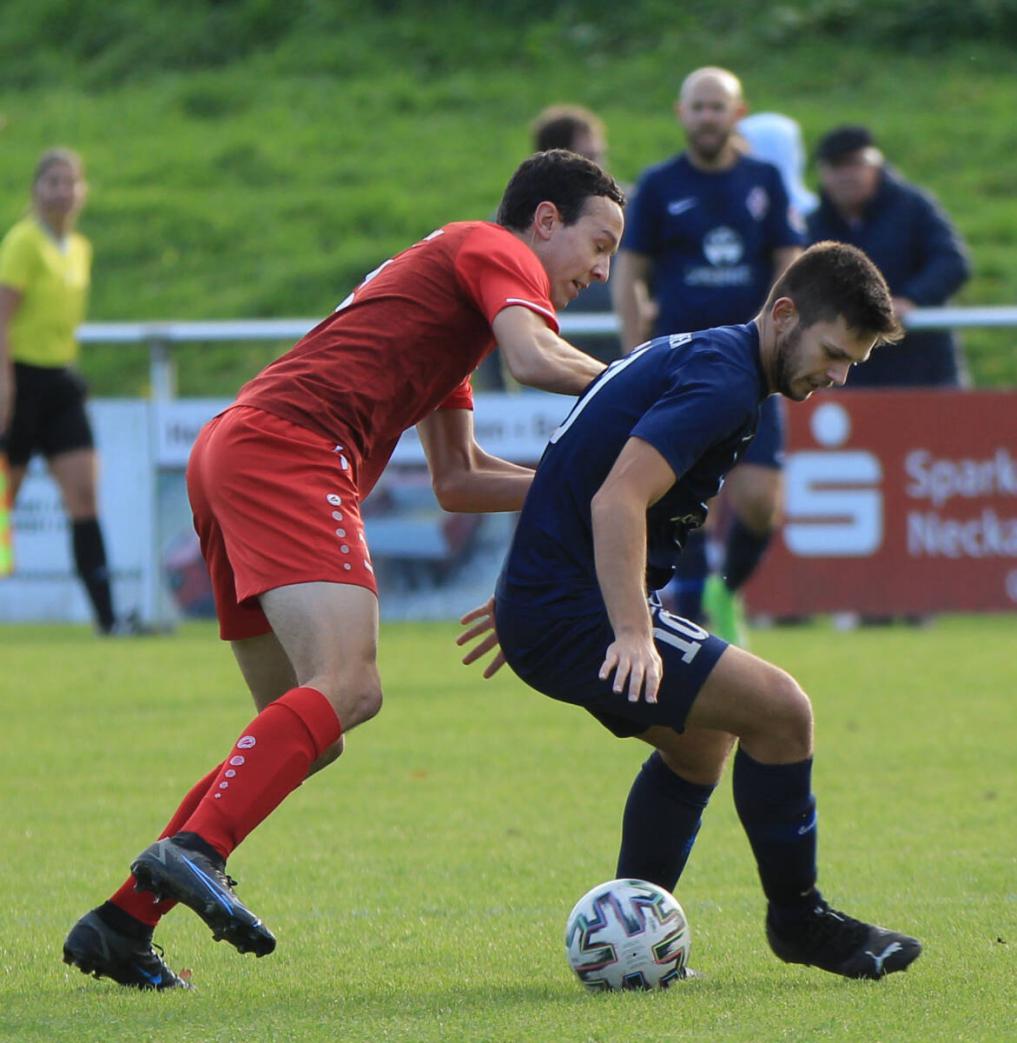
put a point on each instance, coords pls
(767, 446)
(49, 413)
(561, 657)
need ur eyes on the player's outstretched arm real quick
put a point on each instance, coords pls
(537, 357)
(464, 477)
(483, 632)
(640, 476)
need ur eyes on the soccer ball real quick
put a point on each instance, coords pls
(627, 934)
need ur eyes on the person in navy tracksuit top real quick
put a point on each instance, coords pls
(706, 234)
(909, 237)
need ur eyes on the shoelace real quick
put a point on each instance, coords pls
(223, 877)
(830, 926)
(182, 978)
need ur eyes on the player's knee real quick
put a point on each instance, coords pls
(80, 503)
(355, 695)
(790, 720)
(360, 703)
(699, 756)
(760, 513)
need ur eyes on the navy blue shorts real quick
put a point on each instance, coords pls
(562, 657)
(49, 413)
(767, 446)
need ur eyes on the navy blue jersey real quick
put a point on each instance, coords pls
(711, 238)
(695, 398)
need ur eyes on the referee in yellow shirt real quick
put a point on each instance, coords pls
(45, 270)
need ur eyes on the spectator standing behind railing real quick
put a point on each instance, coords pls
(45, 272)
(865, 202)
(708, 231)
(578, 130)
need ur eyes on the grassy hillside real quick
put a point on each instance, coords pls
(254, 159)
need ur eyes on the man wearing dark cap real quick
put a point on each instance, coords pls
(905, 231)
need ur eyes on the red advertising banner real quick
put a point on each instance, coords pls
(896, 502)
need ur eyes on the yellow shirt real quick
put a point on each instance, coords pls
(53, 280)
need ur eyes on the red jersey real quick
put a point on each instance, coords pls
(404, 343)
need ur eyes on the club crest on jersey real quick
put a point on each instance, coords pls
(757, 202)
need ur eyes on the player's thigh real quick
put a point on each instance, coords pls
(329, 632)
(265, 666)
(15, 479)
(696, 754)
(758, 702)
(76, 473)
(754, 493)
(561, 656)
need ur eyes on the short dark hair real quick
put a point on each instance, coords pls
(556, 176)
(840, 142)
(832, 280)
(558, 126)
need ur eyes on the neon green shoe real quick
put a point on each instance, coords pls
(725, 611)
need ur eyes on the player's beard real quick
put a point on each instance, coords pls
(709, 145)
(785, 358)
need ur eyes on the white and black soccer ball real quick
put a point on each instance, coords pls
(627, 934)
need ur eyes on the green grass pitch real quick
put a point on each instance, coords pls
(419, 887)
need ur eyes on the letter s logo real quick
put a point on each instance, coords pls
(834, 507)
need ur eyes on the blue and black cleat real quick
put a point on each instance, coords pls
(171, 869)
(96, 948)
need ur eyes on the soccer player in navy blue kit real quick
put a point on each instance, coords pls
(623, 480)
(706, 234)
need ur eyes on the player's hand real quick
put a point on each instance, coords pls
(483, 632)
(636, 661)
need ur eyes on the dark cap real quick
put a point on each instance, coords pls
(842, 141)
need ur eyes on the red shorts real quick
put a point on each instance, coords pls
(274, 504)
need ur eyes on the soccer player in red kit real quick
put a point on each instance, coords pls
(276, 484)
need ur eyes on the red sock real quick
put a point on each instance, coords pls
(139, 904)
(267, 762)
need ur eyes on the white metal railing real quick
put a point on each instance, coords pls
(162, 336)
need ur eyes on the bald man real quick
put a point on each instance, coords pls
(707, 233)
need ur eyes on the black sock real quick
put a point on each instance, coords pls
(778, 812)
(690, 577)
(742, 553)
(662, 817)
(90, 560)
(115, 917)
(195, 843)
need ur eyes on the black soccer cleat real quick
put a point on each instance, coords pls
(100, 950)
(171, 870)
(841, 945)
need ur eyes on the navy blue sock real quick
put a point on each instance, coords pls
(743, 551)
(90, 561)
(662, 817)
(690, 577)
(778, 811)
